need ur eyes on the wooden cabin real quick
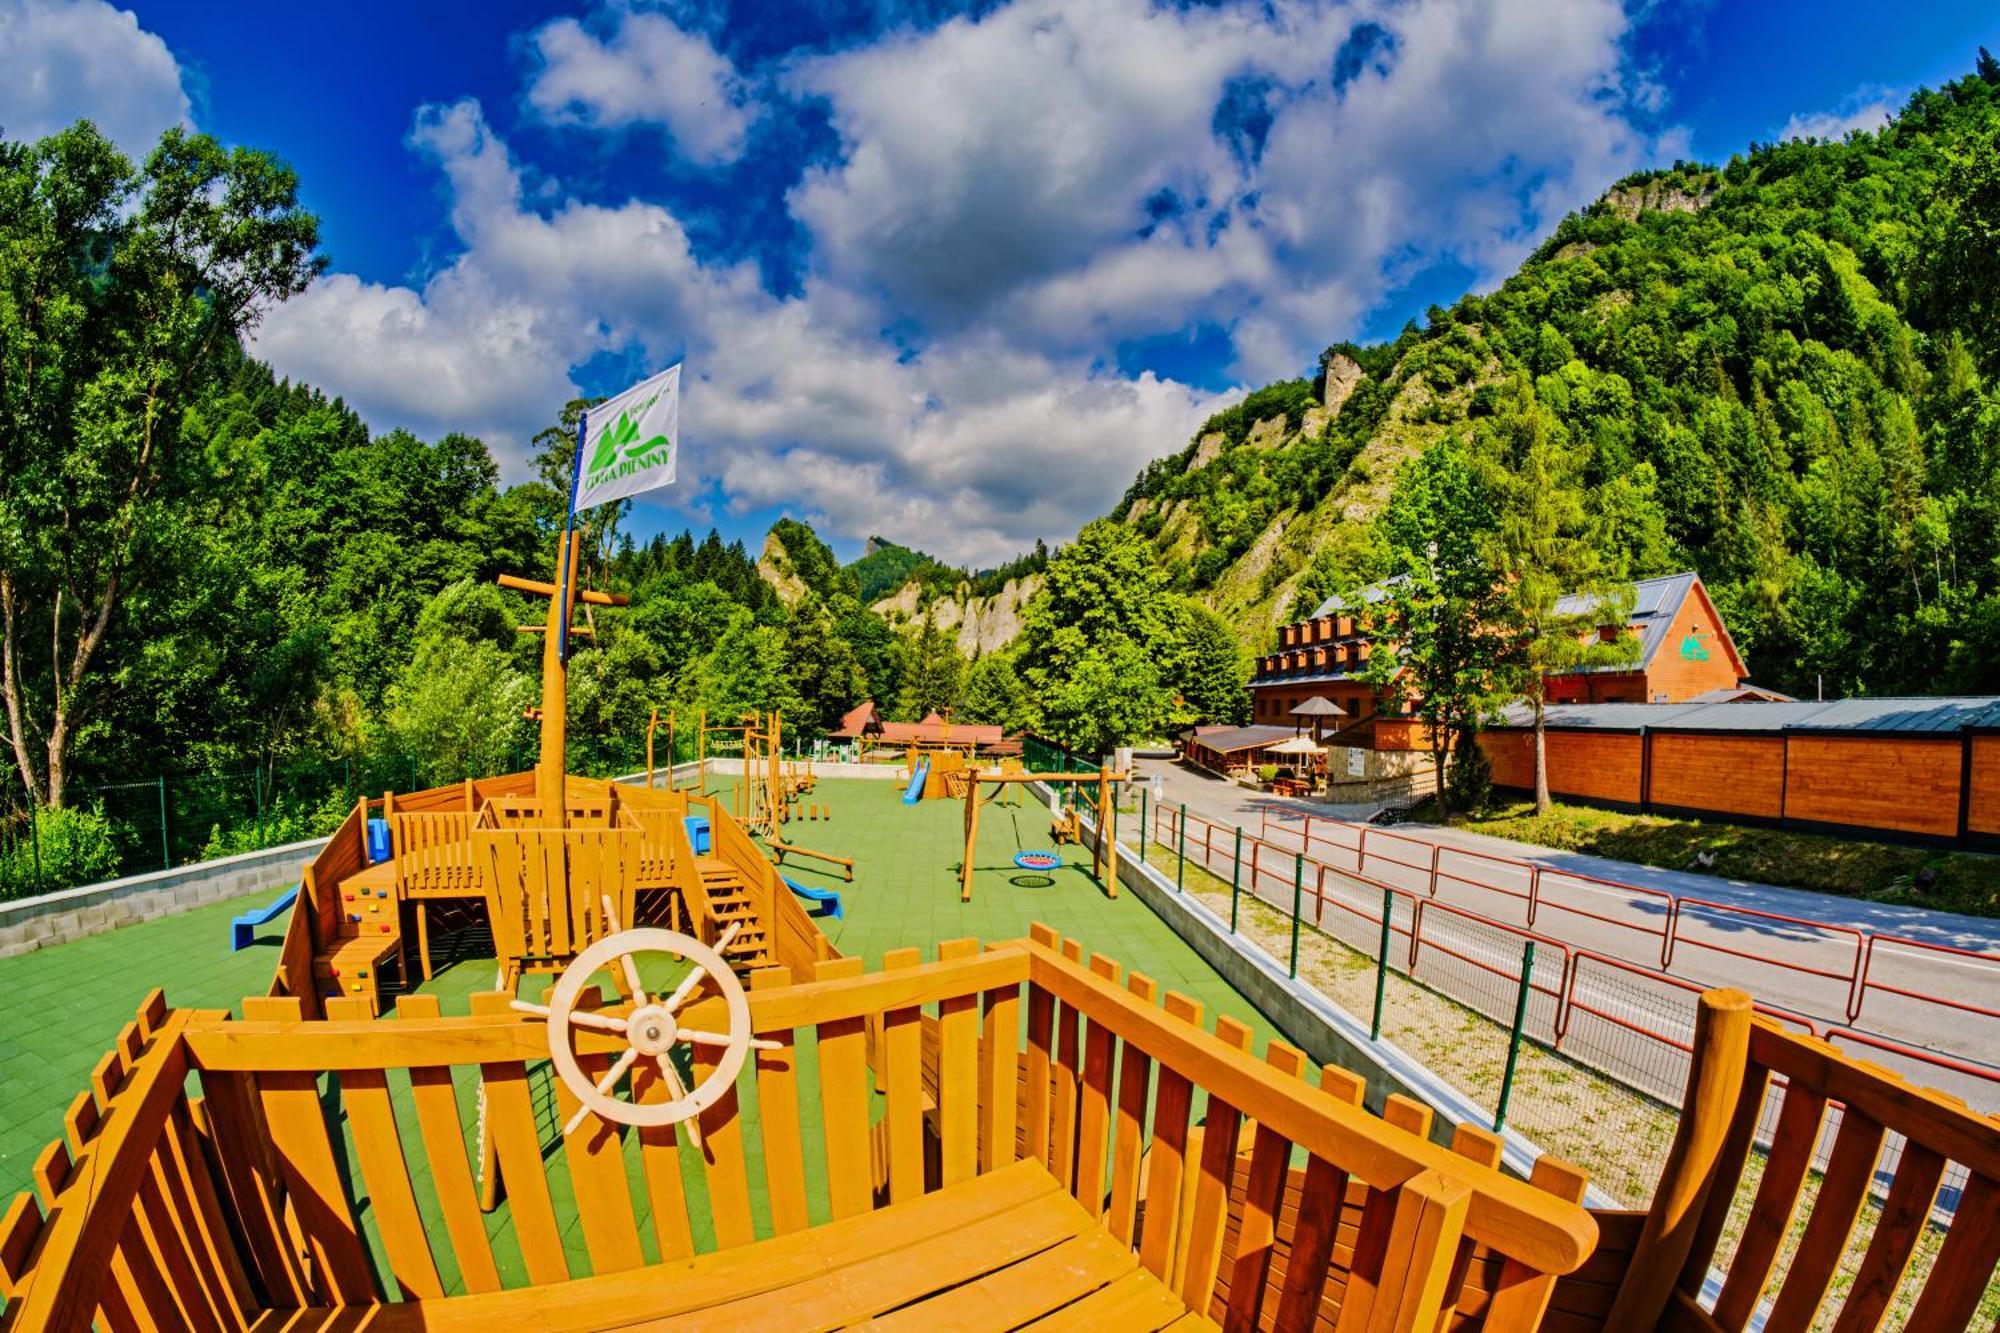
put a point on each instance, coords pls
(1685, 651)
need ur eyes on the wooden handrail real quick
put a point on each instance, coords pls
(92, 1213)
(1511, 1216)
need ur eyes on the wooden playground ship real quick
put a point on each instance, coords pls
(1002, 1135)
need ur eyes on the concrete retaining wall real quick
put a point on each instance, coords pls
(734, 767)
(27, 924)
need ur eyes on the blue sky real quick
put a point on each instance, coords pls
(951, 274)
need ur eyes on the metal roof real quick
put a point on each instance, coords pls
(1925, 715)
(1228, 740)
(1654, 602)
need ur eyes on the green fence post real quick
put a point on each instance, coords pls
(35, 832)
(1235, 878)
(166, 854)
(1180, 866)
(1298, 899)
(1144, 822)
(1382, 964)
(1514, 1039)
(257, 795)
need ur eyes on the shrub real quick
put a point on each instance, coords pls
(59, 849)
(1267, 772)
(284, 821)
(1468, 778)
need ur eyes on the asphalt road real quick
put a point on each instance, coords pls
(1612, 913)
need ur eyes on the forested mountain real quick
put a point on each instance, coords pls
(1783, 371)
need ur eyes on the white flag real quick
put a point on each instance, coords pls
(632, 441)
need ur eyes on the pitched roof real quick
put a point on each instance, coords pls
(1655, 602)
(1229, 740)
(856, 721)
(933, 730)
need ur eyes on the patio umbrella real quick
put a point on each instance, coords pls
(1317, 708)
(1296, 745)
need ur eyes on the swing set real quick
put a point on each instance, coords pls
(1067, 826)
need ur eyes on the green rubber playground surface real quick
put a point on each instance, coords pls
(63, 1006)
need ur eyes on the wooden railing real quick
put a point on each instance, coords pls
(1743, 1060)
(546, 890)
(210, 1211)
(434, 855)
(795, 939)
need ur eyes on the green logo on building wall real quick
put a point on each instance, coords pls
(1692, 649)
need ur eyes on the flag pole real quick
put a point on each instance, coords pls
(569, 526)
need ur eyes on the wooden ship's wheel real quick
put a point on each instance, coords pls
(650, 1027)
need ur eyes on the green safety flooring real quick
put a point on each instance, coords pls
(64, 1005)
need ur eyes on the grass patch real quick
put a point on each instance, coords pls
(1879, 872)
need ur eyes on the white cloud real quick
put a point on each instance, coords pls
(646, 71)
(974, 447)
(1868, 108)
(66, 60)
(1015, 196)
(1004, 170)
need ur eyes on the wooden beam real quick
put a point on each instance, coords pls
(541, 589)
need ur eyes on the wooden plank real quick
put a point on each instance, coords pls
(1202, 1250)
(1063, 1092)
(1849, 1172)
(1965, 1262)
(1257, 1233)
(1378, 1223)
(195, 1170)
(659, 1153)
(1136, 1301)
(1520, 1298)
(1135, 1076)
(843, 1091)
(958, 1075)
(1424, 1234)
(902, 1042)
(1094, 1104)
(1729, 1164)
(379, 1147)
(517, 1151)
(596, 1159)
(1771, 1214)
(249, 1174)
(728, 1173)
(1021, 1292)
(167, 1198)
(999, 1077)
(778, 1117)
(1905, 1213)
(443, 1135)
(297, 1126)
(1167, 1157)
(1036, 1082)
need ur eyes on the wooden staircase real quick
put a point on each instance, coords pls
(729, 903)
(369, 932)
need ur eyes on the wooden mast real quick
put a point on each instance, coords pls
(549, 766)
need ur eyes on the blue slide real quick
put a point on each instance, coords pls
(243, 929)
(828, 899)
(915, 791)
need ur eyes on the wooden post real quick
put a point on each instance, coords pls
(1107, 829)
(652, 721)
(971, 833)
(1722, 1023)
(701, 752)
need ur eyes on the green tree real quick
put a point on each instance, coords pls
(125, 294)
(1207, 669)
(459, 708)
(1555, 591)
(1439, 616)
(1104, 611)
(933, 671)
(994, 694)
(825, 674)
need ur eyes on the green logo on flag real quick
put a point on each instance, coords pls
(623, 438)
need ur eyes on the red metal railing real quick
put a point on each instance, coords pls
(1267, 857)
